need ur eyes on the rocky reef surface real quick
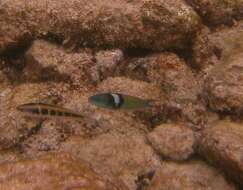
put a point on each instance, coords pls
(183, 55)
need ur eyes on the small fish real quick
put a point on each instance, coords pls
(47, 111)
(116, 101)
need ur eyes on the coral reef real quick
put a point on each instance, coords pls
(185, 57)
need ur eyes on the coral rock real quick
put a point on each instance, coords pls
(180, 88)
(189, 176)
(146, 24)
(115, 154)
(46, 61)
(106, 64)
(172, 141)
(217, 12)
(223, 89)
(222, 145)
(52, 172)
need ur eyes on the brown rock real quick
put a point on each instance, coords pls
(8, 156)
(222, 145)
(227, 40)
(216, 12)
(180, 89)
(113, 142)
(150, 24)
(224, 85)
(189, 176)
(176, 79)
(136, 88)
(49, 136)
(226, 90)
(106, 64)
(3, 80)
(96, 120)
(52, 172)
(11, 128)
(123, 155)
(14, 127)
(46, 61)
(172, 141)
(204, 53)
(102, 130)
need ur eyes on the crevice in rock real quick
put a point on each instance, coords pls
(143, 180)
(53, 38)
(132, 71)
(137, 52)
(18, 49)
(15, 72)
(13, 67)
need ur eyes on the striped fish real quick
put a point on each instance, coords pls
(47, 111)
(118, 101)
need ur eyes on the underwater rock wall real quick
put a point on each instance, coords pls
(184, 56)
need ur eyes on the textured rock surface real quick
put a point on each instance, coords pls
(224, 84)
(99, 23)
(172, 141)
(98, 120)
(115, 145)
(13, 127)
(9, 156)
(3, 81)
(217, 12)
(117, 119)
(106, 64)
(180, 89)
(136, 88)
(46, 61)
(48, 138)
(228, 41)
(223, 146)
(115, 154)
(52, 172)
(204, 52)
(189, 176)
(113, 142)
(63, 51)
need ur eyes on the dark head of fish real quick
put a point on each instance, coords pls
(102, 100)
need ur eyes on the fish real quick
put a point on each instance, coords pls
(118, 101)
(43, 110)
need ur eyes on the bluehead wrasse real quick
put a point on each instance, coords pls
(42, 110)
(118, 101)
